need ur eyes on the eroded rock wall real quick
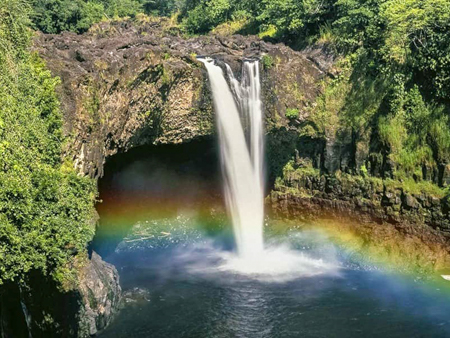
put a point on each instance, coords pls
(313, 195)
(129, 83)
(40, 308)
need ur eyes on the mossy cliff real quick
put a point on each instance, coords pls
(304, 191)
(346, 160)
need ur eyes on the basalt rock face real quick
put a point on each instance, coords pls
(345, 195)
(101, 295)
(129, 83)
(42, 309)
(372, 205)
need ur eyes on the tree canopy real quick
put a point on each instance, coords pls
(46, 210)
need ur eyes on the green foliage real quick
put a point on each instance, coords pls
(207, 14)
(285, 15)
(54, 16)
(231, 27)
(62, 15)
(122, 8)
(416, 134)
(392, 132)
(294, 174)
(162, 7)
(292, 113)
(270, 31)
(283, 19)
(409, 185)
(267, 61)
(357, 23)
(90, 13)
(323, 119)
(363, 170)
(14, 32)
(409, 23)
(45, 208)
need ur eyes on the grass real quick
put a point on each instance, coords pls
(409, 185)
(270, 32)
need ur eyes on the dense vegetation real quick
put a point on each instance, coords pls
(45, 208)
(392, 92)
(54, 16)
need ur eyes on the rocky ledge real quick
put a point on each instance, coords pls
(378, 200)
(371, 205)
(42, 309)
(130, 83)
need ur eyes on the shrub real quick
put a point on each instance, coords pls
(292, 113)
(363, 170)
(267, 61)
(46, 209)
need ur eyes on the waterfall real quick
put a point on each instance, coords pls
(238, 109)
(25, 312)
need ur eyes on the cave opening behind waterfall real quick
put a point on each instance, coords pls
(156, 181)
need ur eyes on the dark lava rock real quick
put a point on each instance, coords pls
(131, 83)
(101, 295)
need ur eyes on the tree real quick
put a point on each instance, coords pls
(46, 209)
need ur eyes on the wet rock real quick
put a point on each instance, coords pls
(43, 308)
(101, 294)
(136, 295)
(409, 202)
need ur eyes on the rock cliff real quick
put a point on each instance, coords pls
(42, 309)
(100, 293)
(129, 83)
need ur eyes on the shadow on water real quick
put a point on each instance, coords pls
(152, 182)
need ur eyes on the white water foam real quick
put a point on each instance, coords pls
(276, 264)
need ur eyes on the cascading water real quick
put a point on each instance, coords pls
(240, 125)
(242, 155)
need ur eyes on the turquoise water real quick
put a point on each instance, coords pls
(179, 284)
